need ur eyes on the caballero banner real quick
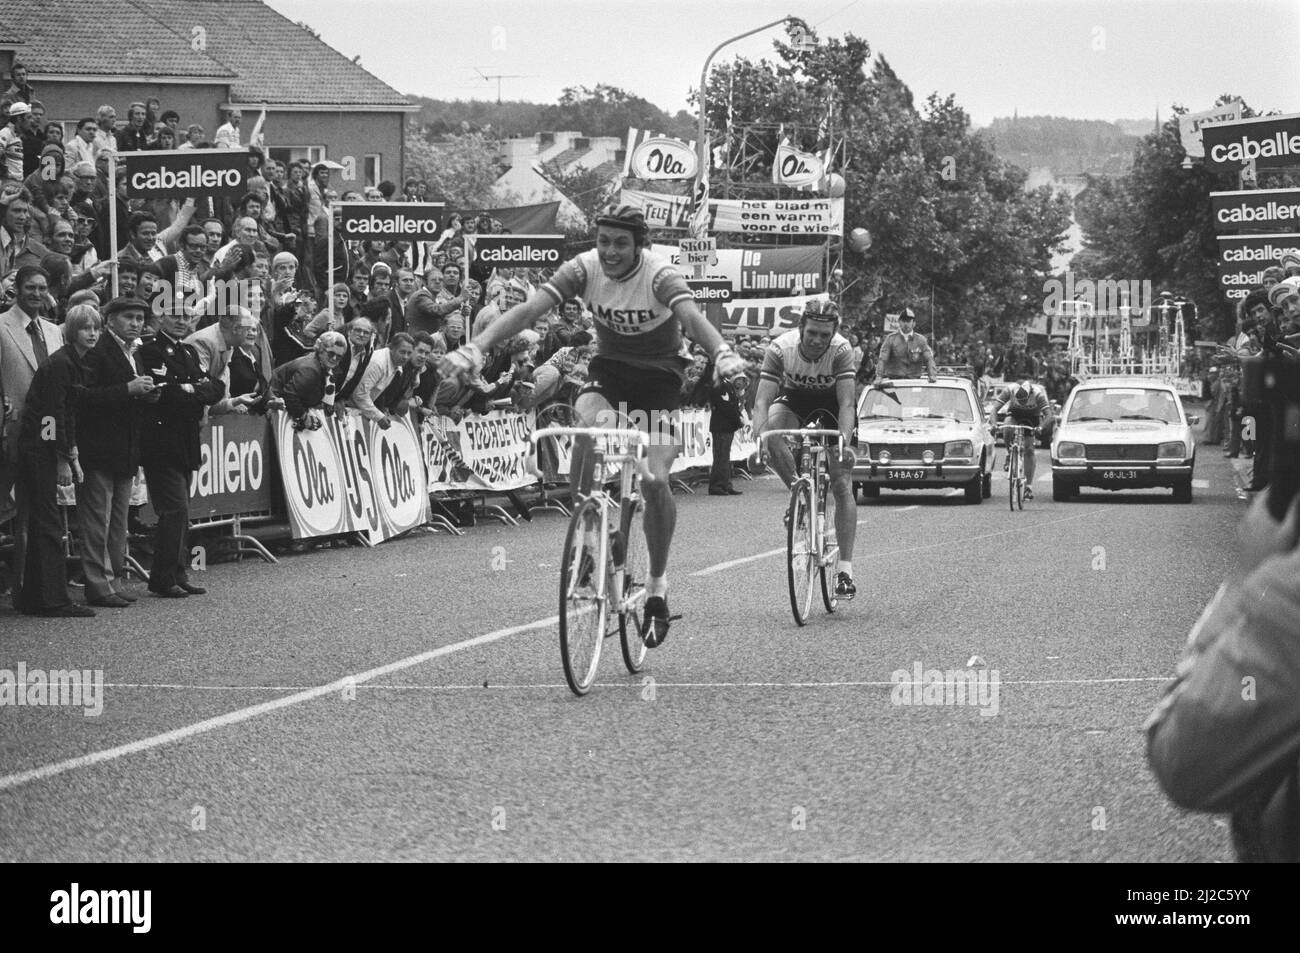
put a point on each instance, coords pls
(515, 251)
(757, 271)
(1262, 209)
(1243, 258)
(391, 221)
(1273, 142)
(189, 173)
(234, 475)
(351, 477)
(768, 217)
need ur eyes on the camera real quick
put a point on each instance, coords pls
(1270, 390)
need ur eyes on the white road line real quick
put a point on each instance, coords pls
(244, 714)
(530, 686)
(1201, 484)
(858, 557)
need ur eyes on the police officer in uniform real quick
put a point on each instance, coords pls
(904, 353)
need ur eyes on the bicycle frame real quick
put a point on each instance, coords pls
(632, 466)
(1016, 472)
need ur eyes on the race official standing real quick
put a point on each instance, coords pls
(170, 448)
(904, 353)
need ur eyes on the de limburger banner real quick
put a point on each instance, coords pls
(391, 221)
(188, 173)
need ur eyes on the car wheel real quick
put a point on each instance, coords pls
(1183, 492)
(975, 490)
(1062, 491)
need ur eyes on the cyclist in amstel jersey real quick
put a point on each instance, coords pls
(806, 373)
(1026, 406)
(641, 307)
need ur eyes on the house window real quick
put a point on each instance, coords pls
(373, 176)
(287, 154)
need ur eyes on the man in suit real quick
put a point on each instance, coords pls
(26, 341)
(361, 339)
(109, 424)
(170, 447)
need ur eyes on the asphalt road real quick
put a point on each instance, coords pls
(230, 732)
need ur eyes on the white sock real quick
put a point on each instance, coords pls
(846, 565)
(656, 586)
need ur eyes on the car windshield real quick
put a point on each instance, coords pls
(1124, 403)
(912, 403)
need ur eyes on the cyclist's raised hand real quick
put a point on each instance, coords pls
(729, 365)
(462, 363)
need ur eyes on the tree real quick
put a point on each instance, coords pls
(588, 189)
(461, 170)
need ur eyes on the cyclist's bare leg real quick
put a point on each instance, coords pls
(1027, 451)
(779, 455)
(846, 510)
(660, 515)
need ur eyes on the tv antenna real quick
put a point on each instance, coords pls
(499, 77)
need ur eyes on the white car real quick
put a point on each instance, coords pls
(913, 435)
(1122, 433)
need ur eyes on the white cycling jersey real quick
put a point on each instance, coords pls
(784, 363)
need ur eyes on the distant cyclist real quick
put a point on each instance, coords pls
(1028, 406)
(904, 353)
(641, 306)
(806, 373)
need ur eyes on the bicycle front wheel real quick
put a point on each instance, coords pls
(583, 605)
(829, 550)
(1013, 478)
(636, 570)
(801, 554)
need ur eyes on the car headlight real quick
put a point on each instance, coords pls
(864, 448)
(958, 449)
(884, 456)
(1172, 450)
(927, 456)
(1066, 450)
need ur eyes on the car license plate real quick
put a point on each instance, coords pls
(909, 474)
(1119, 474)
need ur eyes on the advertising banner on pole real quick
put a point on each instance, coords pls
(766, 217)
(186, 173)
(515, 251)
(757, 271)
(391, 221)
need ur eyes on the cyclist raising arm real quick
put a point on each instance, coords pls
(1027, 406)
(808, 372)
(641, 307)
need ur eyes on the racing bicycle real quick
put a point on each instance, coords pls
(811, 547)
(605, 563)
(1016, 482)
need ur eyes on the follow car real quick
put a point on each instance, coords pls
(1121, 433)
(913, 434)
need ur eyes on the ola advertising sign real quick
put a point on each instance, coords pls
(663, 158)
(391, 221)
(190, 173)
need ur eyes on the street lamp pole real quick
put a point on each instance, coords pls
(701, 145)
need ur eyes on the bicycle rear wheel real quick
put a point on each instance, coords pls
(1021, 481)
(636, 570)
(829, 553)
(583, 601)
(801, 555)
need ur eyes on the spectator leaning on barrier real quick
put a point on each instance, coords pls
(386, 364)
(110, 413)
(308, 382)
(170, 447)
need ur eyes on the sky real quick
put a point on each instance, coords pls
(1084, 59)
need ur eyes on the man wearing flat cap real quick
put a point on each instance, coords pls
(110, 416)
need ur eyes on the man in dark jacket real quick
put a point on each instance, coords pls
(110, 415)
(170, 448)
(724, 421)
